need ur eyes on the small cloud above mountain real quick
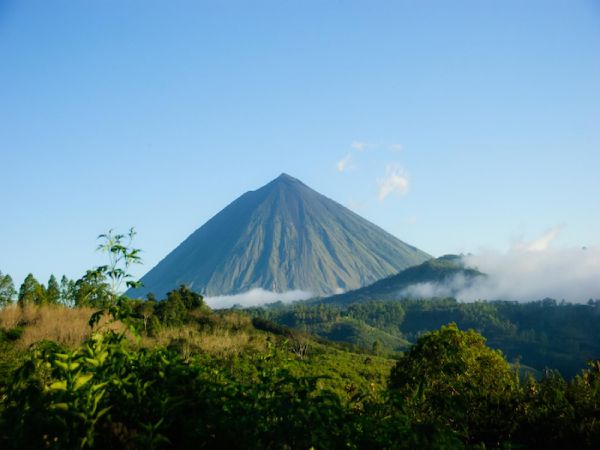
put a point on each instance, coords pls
(359, 146)
(345, 164)
(395, 181)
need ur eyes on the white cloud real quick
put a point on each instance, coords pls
(572, 274)
(395, 181)
(526, 272)
(346, 163)
(256, 297)
(359, 146)
(451, 288)
(396, 148)
(542, 243)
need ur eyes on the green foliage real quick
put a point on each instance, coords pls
(92, 290)
(358, 325)
(67, 292)
(72, 393)
(558, 414)
(448, 391)
(451, 378)
(383, 315)
(145, 310)
(538, 334)
(31, 292)
(7, 290)
(121, 256)
(191, 300)
(172, 311)
(53, 291)
(104, 395)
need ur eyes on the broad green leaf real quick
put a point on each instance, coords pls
(62, 365)
(82, 379)
(61, 406)
(58, 386)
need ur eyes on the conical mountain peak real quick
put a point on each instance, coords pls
(283, 236)
(287, 180)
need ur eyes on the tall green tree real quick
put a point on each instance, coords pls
(67, 291)
(31, 292)
(52, 291)
(92, 290)
(7, 290)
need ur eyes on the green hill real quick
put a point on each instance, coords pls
(438, 271)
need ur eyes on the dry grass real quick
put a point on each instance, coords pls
(67, 326)
(219, 341)
(222, 334)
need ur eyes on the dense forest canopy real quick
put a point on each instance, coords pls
(541, 334)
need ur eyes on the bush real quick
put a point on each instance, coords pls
(450, 378)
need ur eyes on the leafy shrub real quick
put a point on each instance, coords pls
(451, 378)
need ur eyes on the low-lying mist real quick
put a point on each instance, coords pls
(256, 297)
(524, 273)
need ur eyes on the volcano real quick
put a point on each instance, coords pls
(284, 236)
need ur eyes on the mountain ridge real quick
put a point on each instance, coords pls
(439, 271)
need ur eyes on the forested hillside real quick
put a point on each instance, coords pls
(542, 334)
(440, 272)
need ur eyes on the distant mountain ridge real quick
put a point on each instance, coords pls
(438, 271)
(284, 236)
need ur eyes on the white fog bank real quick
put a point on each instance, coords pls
(528, 271)
(523, 274)
(256, 297)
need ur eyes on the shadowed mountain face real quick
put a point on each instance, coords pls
(283, 236)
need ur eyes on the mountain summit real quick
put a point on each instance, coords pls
(283, 236)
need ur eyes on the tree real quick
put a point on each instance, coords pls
(146, 310)
(31, 292)
(53, 291)
(192, 300)
(7, 290)
(377, 347)
(172, 311)
(92, 290)
(67, 292)
(450, 378)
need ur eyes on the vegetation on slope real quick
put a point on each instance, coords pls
(267, 391)
(438, 271)
(542, 334)
(174, 374)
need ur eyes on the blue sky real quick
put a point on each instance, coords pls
(453, 125)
